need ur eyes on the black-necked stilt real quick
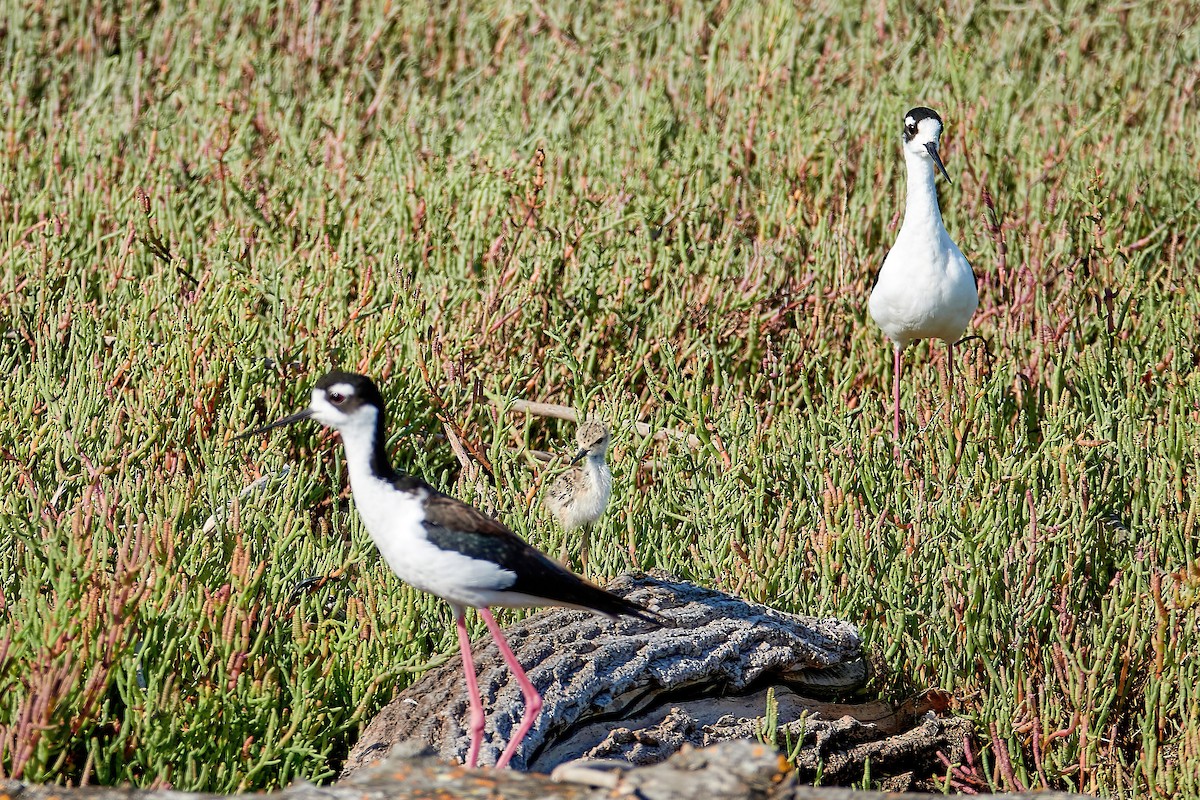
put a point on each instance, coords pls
(579, 496)
(926, 289)
(444, 546)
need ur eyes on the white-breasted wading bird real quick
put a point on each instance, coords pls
(925, 289)
(446, 547)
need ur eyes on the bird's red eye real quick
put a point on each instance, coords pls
(337, 398)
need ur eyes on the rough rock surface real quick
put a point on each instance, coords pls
(596, 675)
(829, 741)
(740, 770)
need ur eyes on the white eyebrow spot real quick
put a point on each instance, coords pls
(908, 121)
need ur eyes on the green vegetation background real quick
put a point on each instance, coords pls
(207, 204)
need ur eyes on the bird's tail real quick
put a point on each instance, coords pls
(550, 581)
(602, 601)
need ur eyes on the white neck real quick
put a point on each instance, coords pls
(921, 212)
(597, 469)
(358, 440)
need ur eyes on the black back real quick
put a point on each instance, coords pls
(453, 525)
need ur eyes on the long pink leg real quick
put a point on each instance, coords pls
(950, 378)
(899, 362)
(950, 365)
(533, 700)
(476, 722)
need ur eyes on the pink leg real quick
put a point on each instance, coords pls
(950, 378)
(586, 531)
(533, 700)
(464, 644)
(899, 362)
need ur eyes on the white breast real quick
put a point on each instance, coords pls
(925, 290)
(395, 522)
(582, 501)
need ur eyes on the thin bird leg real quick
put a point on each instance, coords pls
(476, 721)
(950, 378)
(533, 700)
(899, 361)
(584, 547)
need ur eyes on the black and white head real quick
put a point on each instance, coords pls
(592, 438)
(346, 401)
(922, 134)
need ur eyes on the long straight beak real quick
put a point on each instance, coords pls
(579, 456)
(937, 159)
(297, 417)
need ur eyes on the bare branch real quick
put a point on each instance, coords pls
(555, 411)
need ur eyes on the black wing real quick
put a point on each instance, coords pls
(451, 524)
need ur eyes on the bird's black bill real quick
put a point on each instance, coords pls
(937, 159)
(579, 456)
(312, 584)
(305, 414)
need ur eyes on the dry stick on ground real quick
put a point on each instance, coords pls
(567, 413)
(470, 468)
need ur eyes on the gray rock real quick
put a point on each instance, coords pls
(596, 675)
(738, 770)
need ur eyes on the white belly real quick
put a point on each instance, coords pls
(585, 509)
(586, 501)
(394, 522)
(924, 292)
